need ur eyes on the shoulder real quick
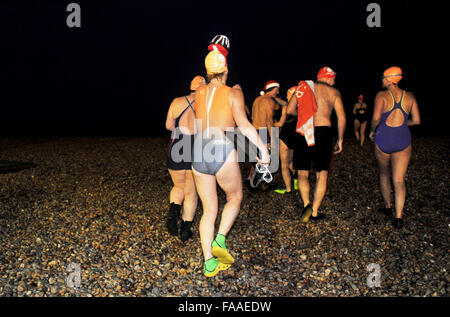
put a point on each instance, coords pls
(381, 94)
(234, 92)
(258, 101)
(409, 95)
(267, 102)
(179, 100)
(179, 103)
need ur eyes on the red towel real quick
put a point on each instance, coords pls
(307, 107)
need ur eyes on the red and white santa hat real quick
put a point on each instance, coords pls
(220, 43)
(270, 84)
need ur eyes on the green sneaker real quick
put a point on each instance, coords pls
(219, 250)
(295, 184)
(212, 267)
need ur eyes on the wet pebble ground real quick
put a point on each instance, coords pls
(100, 203)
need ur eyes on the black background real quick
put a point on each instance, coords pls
(117, 74)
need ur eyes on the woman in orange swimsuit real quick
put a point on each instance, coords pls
(219, 108)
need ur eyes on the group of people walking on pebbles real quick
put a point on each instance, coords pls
(200, 155)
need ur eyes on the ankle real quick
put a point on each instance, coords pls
(220, 240)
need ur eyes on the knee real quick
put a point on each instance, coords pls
(235, 197)
(322, 177)
(303, 175)
(284, 164)
(178, 190)
(190, 193)
(398, 182)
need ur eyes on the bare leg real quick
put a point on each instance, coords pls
(252, 170)
(177, 192)
(229, 179)
(285, 162)
(207, 191)
(363, 133)
(400, 161)
(385, 177)
(319, 192)
(356, 126)
(190, 198)
(304, 187)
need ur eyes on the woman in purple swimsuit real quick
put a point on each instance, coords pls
(390, 131)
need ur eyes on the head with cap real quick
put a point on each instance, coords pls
(392, 76)
(220, 43)
(216, 65)
(360, 98)
(197, 82)
(271, 88)
(290, 92)
(326, 75)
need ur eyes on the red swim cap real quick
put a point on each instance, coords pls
(360, 98)
(326, 72)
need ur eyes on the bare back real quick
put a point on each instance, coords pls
(396, 118)
(186, 123)
(262, 112)
(326, 98)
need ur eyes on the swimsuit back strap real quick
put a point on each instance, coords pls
(208, 108)
(177, 120)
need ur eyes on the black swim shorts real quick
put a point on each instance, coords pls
(317, 157)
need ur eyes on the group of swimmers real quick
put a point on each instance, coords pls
(213, 108)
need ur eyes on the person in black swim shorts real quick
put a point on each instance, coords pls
(318, 157)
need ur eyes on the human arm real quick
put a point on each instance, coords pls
(292, 106)
(415, 113)
(283, 117)
(280, 101)
(342, 122)
(267, 107)
(379, 104)
(170, 121)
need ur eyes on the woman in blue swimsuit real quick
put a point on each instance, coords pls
(390, 131)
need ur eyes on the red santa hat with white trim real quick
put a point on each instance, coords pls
(269, 85)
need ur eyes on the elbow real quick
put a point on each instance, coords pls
(170, 127)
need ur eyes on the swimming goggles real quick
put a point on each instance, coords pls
(260, 174)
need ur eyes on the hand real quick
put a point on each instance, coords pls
(338, 147)
(265, 160)
(372, 136)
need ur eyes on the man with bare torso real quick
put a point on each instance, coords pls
(318, 157)
(262, 112)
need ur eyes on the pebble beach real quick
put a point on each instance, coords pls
(100, 204)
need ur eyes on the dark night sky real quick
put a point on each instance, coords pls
(118, 73)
